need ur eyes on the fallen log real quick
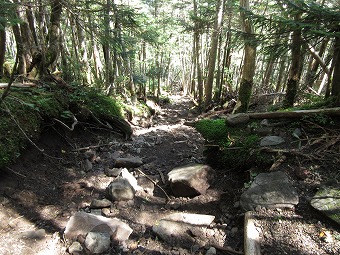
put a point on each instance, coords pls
(294, 114)
(18, 85)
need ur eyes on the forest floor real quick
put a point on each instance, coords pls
(42, 190)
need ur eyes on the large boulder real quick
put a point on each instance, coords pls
(327, 201)
(190, 180)
(270, 190)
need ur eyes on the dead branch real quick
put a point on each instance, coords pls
(92, 147)
(226, 249)
(155, 183)
(75, 122)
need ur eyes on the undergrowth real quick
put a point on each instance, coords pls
(24, 111)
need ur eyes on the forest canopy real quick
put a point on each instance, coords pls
(213, 50)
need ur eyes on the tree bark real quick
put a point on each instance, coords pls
(197, 55)
(2, 50)
(249, 61)
(335, 92)
(295, 73)
(53, 50)
(213, 52)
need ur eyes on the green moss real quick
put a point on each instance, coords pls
(213, 130)
(25, 109)
(229, 147)
(100, 104)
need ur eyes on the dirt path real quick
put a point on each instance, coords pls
(42, 190)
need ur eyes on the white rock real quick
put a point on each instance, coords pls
(130, 178)
(191, 218)
(82, 223)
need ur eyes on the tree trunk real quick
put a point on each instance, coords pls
(53, 50)
(278, 87)
(213, 52)
(249, 61)
(198, 62)
(294, 74)
(20, 50)
(2, 49)
(316, 61)
(335, 92)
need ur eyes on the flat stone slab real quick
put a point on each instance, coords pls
(191, 218)
(190, 180)
(270, 190)
(327, 201)
(271, 140)
(183, 234)
(82, 223)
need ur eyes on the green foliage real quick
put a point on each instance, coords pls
(233, 148)
(318, 118)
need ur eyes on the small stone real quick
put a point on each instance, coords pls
(114, 172)
(106, 212)
(211, 251)
(100, 203)
(97, 242)
(234, 230)
(75, 248)
(271, 140)
(120, 189)
(87, 165)
(297, 133)
(34, 234)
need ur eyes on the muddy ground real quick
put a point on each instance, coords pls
(50, 182)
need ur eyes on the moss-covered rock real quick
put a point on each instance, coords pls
(229, 147)
(327, 201)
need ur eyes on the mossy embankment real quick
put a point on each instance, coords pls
(230, 147)
(26, 111)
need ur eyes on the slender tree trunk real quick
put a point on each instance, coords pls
(198, 58)
(2, 50)
(294, 74)
(282, 64)
(249, 61)
(335, 92)
(213, 52)
(86, 71)
(20, 50)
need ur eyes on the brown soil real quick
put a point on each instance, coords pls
(42, 190)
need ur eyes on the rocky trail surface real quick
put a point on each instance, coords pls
(113, 196)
